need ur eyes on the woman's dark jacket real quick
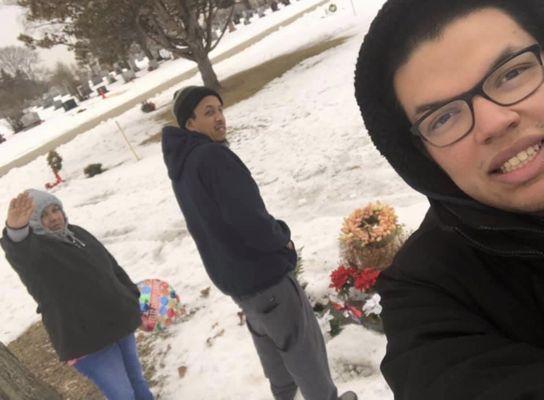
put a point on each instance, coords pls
(86, 299)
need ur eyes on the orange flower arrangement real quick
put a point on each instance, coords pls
(371, 225)
(371, 236)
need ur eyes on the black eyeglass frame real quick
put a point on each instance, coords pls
(478, 90)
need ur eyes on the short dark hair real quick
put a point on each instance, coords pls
(399, 27)
(426, 19)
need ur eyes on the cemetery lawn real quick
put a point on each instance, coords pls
(33, 349)
(245, 84)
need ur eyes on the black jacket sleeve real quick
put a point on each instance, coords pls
(123, 276)
(240, 202)
(440, 349)
(21, 254)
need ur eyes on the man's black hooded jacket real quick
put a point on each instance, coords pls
(242, 246)
(463, 302)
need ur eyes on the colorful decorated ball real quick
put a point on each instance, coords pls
(159, 304)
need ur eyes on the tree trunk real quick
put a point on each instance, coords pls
(16, 125)
(18, 383)
(132, 64)
(206, 72)
(148, 52)
(191, 42)
(142, 42)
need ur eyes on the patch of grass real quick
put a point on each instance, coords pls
(245, 84)
(35, 352)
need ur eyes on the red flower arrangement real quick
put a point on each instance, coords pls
(55, 162)
(355, 300)
(343, 278)
(366, 279)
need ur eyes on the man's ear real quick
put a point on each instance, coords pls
(189, 124)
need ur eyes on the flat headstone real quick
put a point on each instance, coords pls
(30, 119)
(102, 89)
(84, 91)
(69, 104)
(47, 102)
(97, 80)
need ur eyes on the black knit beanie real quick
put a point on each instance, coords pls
(384, 119)
(186, 100)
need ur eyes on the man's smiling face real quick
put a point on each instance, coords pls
(501, 161)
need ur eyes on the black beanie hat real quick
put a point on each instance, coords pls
(186, 100)
(386, 124)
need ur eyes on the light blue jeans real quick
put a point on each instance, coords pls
(116, 371)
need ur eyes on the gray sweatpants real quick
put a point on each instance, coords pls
(289, 341)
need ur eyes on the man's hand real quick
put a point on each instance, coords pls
(290, 245)
(20, 210)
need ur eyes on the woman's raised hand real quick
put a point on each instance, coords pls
(20, 210)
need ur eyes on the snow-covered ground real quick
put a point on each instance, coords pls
(304, 141)
(58, 122)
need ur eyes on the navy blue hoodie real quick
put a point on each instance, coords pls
(241, 245)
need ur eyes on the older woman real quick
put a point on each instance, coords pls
(88, 303)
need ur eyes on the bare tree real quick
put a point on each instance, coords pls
(107, 28)
(19, 58)
(15, 94)
(62, 76)
(184, 27)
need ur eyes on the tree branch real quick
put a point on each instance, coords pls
(224, 28)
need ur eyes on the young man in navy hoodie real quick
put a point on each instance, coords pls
(247, 253)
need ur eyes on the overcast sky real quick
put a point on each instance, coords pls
(11, 23)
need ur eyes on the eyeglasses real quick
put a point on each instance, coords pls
(515, 79)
